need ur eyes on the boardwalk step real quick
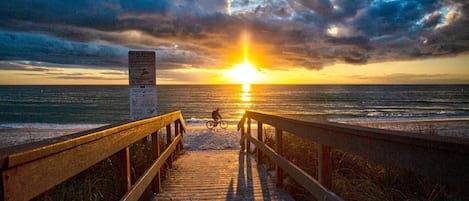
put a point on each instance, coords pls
(219, 175)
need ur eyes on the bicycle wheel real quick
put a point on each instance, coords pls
(223, 124)
(210, 124)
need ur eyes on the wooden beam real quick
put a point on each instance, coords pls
(24, 179)
(140, 185)
(17, 155)
(156, 154)
(124, 169)
(300, 176)
(168, 142)
(442, 158)
(248, 133)
(325, 166)
(242, 141)
(260, 138)
(279, 151)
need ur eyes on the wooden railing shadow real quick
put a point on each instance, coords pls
(31, 169)
(245, 184)
(444, 159)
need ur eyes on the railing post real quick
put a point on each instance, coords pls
(156, 152)
(176, 132)
(279, 150)
(168, 142)
(181, 130)
(248, 143)
(242, 142)
(124, 169)
(325, 166)
(259, 137)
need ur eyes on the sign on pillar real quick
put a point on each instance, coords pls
(142, 81)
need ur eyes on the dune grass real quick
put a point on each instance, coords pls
(355, 178)
(101, 182)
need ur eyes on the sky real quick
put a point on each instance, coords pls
(213, 41)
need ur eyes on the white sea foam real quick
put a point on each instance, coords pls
(52, 126)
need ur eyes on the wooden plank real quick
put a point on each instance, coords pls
(248, 133)
(141, 184)
(168, 142)
(155, 145)
(241, 122)
(279, 151)
(443, 158)
(242, 140)
(219, 175)
(325, 166)
(181, 132)
(22, 154)
(124, 168)
(260, 138)
(300, 176)
(73, 160)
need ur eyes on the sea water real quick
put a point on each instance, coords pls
(32, 113)
(91, 106)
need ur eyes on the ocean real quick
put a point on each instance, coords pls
(91, 106)
(32, 113)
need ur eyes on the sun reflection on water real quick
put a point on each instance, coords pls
(245, 98)
(246, 93)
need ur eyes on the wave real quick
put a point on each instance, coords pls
(396, 118)
(52, 126)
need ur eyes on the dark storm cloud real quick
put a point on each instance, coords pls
(205, 33)
(35, 47)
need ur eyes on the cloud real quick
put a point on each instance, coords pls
(206, 33)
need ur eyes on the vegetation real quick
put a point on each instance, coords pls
(101, 182)
(357, 179)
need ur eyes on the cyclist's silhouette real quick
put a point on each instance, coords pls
(216, 115)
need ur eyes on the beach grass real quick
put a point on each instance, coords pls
(355, 178)
(101, 182)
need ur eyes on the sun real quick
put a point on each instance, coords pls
(244, 73)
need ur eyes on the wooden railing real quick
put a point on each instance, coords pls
(31, 169)
(445, 159)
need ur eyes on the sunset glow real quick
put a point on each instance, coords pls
(244, 73)
(236, 42)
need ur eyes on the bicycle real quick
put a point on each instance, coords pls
(212, 124)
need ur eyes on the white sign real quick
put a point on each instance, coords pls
(142, 68)
(143, 102)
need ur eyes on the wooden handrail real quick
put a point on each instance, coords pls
(31, 169)
(443, 158)
(140, 185)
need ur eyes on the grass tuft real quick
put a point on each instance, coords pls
(355, 178)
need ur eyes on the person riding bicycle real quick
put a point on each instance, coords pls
(216, 116)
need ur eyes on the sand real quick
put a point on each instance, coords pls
(200, 138)
(443, 127)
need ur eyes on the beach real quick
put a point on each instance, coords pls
(198, 137)
(441, 127)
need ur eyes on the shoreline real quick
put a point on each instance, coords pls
(198, 137)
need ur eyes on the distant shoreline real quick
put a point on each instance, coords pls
(442, 127)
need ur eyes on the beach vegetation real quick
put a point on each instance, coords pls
(101, 182)
(355, 178)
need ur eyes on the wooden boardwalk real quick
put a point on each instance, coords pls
(219, 175)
